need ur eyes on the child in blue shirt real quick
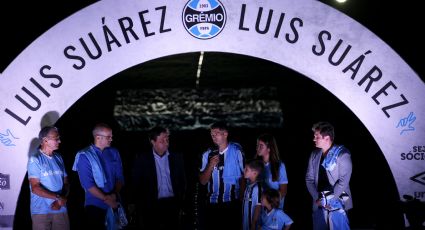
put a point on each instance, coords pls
(272, 217)
(251, 207)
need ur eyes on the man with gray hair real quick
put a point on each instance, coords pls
(48, 183)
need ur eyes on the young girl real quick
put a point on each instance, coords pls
(273, 218)
(274, 173)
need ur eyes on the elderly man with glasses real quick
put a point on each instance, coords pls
(48, 183)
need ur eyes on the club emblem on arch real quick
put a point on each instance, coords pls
(204, 19)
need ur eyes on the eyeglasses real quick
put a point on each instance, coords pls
(107, 137)
(58, 138)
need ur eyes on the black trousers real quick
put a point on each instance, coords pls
(161, 214)
(226, 215)
(95, 217)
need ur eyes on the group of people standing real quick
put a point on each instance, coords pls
(100, 172)
(241, 194)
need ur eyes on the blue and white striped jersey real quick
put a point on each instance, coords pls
(251, 200)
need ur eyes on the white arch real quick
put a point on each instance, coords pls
(57, 71)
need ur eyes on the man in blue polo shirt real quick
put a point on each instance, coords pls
(222, 169)
(100, 171)
(48, 183)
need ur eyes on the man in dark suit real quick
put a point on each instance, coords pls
(160, 183)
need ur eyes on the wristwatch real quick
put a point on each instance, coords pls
(58, 197)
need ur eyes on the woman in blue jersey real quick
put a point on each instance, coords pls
(274, 173)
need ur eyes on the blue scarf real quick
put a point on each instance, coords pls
(116, 219)
(96, 166)
(329, 162)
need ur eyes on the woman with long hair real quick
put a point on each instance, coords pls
(274, 173)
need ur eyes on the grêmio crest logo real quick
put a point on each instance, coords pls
(419, 178)
(4, 181)
(204, 19)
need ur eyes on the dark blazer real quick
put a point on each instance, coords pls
(145, 179)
